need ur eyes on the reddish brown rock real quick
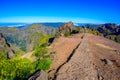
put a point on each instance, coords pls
(95, 58)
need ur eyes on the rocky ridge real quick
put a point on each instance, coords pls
(95, 58)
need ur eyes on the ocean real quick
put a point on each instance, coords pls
(11, 24)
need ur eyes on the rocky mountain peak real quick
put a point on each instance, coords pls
(67, 28)
(69, 24)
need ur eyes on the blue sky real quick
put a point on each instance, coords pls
(82, 11)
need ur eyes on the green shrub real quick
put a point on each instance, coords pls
(95, 32)
(114, 38)
(21, 69)
(40, 52)
(3, 55)
(66, 34)
(16, 69)
(43, 64)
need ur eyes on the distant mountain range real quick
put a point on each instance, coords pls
(52, 24)
(56, 24)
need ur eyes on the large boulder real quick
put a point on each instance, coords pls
(40, 75)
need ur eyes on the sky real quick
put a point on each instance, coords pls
(79, 11)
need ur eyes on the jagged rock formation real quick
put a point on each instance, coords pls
(5, 47)
(40, 75)
(95, 58)
(67, 29)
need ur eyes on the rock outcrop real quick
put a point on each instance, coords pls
(40, 75)
(67, 29)
(5, 47)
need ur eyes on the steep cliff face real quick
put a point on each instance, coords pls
(5, 48)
